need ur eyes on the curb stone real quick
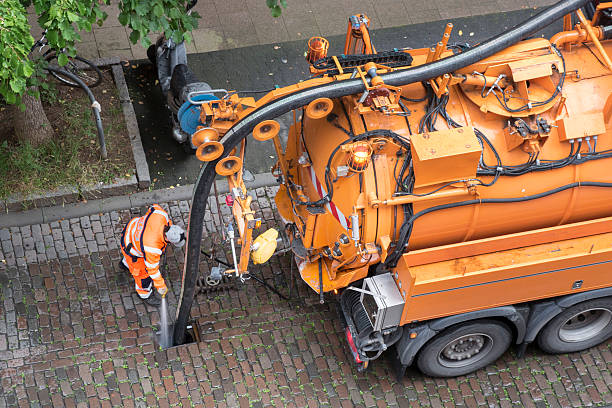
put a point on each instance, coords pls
(21, 218)
(80, 209)
(102, 190)
(142, 168)
(59, 196)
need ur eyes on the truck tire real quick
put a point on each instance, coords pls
(464, 348)
(578, 327)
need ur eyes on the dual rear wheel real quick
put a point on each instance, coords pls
(469, 346)
(578, 327)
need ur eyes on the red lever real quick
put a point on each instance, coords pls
(229, 200)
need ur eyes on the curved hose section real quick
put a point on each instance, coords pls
(95, 106)
(334, 90)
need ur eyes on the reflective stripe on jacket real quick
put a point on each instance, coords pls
(143, 237)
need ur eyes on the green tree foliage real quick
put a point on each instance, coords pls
(275, 6)
(15, 44)
(63, 19)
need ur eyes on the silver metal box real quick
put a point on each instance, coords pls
(382, 301)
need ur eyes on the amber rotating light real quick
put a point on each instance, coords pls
(359, 158)
(317, 49)
(206, 140)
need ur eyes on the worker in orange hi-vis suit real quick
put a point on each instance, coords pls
(143, 241)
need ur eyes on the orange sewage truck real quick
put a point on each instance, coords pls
(456, 199)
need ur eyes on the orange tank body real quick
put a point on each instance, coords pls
(586, 90)
(476, 200)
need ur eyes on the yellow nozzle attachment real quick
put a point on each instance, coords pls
(264, 246)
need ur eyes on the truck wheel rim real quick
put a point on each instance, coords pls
(585, 325)
(465, 350)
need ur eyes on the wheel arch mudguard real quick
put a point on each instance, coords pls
(407, 348)
(544, 312)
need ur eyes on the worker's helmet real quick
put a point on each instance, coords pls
(176, 235)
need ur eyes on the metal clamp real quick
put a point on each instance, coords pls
(496, 84)
(230, 234)
(364, 96)
(207, 92)
(367, 292)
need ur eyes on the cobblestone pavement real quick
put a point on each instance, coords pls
(73, 333)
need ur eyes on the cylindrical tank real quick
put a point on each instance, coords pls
(581, 98)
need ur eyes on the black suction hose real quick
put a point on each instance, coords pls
(334, 90)
(95, 106)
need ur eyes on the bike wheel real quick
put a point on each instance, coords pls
(86, 70)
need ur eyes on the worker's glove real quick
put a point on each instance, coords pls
(162, 291)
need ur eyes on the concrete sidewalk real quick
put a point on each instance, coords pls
(227, 24)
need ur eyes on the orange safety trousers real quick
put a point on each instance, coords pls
(142, 244)
(142, 281)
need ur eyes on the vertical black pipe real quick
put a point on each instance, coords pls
(334, 90)
(95, 106)
(321, 294)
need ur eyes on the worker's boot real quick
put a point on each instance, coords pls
(153, 300)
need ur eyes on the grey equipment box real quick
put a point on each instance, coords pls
(382, 301)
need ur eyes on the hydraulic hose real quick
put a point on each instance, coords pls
(334, 90)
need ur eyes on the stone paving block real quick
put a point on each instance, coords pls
(238, 29)
(208, 39)
(484, 7)
(269, 29)
(125, 54)
(7, 246)
(26, 231)
(208, 12)
(332, 18)
(540, 3)
(393, 13)
(455, 9)
(19, 251)
(111, 38)
(88, 49)
(302, 26)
